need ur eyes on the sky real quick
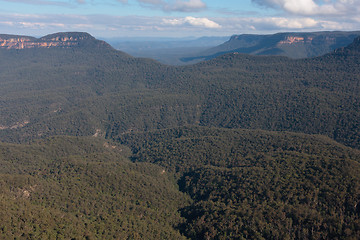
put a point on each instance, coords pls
(176, 18)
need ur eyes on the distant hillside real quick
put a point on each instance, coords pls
(293, 45)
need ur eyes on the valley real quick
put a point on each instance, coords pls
(97, 144)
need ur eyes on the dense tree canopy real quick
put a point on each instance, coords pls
(98, 144)
(84, 188)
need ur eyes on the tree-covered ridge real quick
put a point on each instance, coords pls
(59, 91)
(84, 188)
(184, 148)
(252, 184)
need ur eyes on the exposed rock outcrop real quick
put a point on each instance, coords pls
(63, 40)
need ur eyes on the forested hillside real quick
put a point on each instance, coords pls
(248, 184)
(98, 144)
(253, 184)
(84, 188)
(76, 91)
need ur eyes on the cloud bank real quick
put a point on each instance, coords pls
(292, 15)
(200, 22)
(125, 26)
(314, 7)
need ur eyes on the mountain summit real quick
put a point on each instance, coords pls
(62, 40)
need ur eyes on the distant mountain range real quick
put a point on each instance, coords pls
(290, 44)
(189, 51)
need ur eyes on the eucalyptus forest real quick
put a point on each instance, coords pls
(97, 144)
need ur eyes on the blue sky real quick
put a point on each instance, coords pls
(176, 18)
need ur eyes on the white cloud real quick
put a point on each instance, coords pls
(199, 22)
(314, 7)
(297, 23)
(39, 25)
(186, 6)
(261, 25)
(151, 1)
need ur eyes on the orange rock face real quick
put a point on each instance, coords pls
(293, 39)
(27, 42)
